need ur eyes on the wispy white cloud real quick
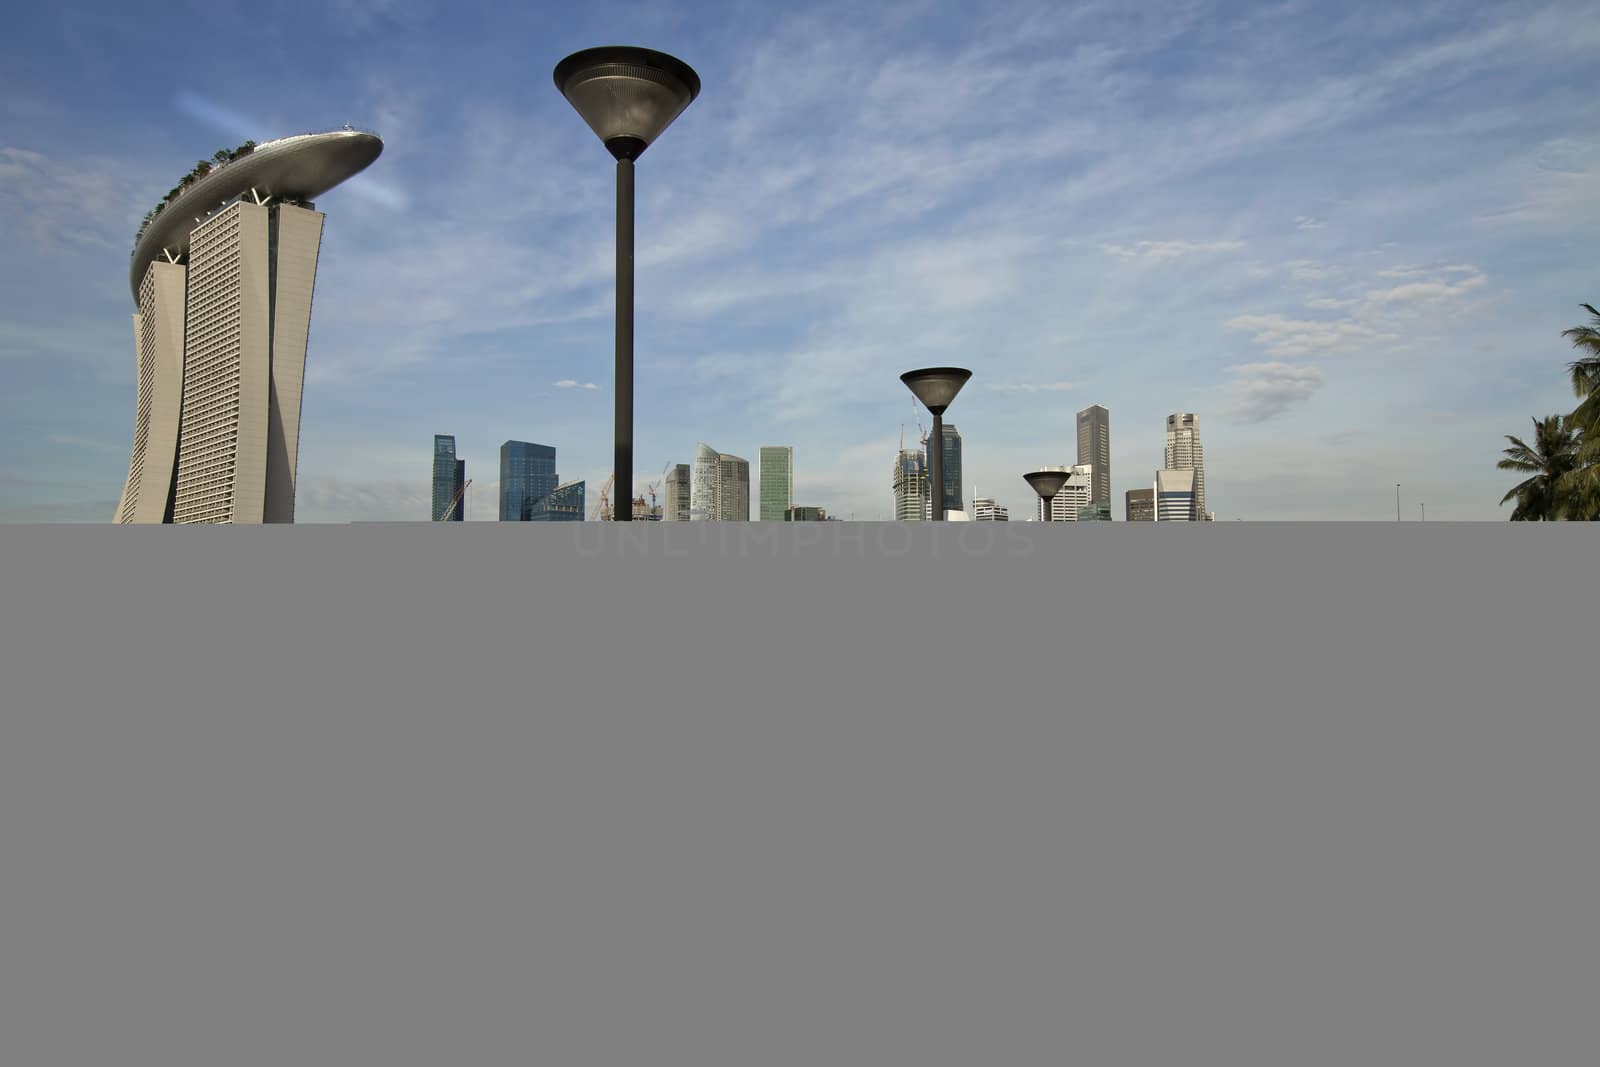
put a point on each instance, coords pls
(1030, 387)
(1162, 251)
(569, 383)
(1262, 391)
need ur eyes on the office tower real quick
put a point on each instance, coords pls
(527, 475)
(803, 514)
(733, 488)
(564, 503)
(678, 480)
(986, 510)
(222, 276)
(1141, 505)
(1094, 448)
(1184, 453)
(449, 475)
(777, 481)
(1175, 495)
(703, 484)
(912, 500)
(719, 486)
(1073, 497)
(952, 469)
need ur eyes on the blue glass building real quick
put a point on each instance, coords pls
(449, 474)
(563, 504)
(952, 468)
(527, 475)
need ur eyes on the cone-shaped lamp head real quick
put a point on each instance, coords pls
(936, 387)
(627, 95)
(1047, 482)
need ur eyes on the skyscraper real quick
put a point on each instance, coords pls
(952, 469)
(719, 488)
(703, 484)
(777, 481)
(678, 482)
(449, 475)
(1175, 495)
(222, 277)
(564, 503)
(912, 500)
(733, 488)
(1073, 497)
(1094, 448)
(1184, 453)
(527, 475)
(1141, 505)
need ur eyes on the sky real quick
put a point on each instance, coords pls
(1348, 237)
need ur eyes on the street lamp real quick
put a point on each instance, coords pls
(628, 96)
(936, 387)
(1047, 482)
(1396, 501)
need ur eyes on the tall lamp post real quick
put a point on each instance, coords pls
(936, 387)
(628, 96)
(1047, 482)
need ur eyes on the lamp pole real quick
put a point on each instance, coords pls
(936, 387)
(1047, 482)
(1396, 501)
(622, 459)
(628, 96)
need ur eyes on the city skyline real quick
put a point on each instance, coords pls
(1326, 224)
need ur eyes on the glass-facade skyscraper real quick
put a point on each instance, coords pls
(1094, 448)
(449, 475)
(952, 468)
(562, 504)
(527, 475)
(733, 488)
(777, 481)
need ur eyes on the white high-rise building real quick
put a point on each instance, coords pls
(719, 487)
(1175, 495)
(703, 483)
(985, 509)
(222, 277)
(1077, 493)
(1185, 453)
(912, 502)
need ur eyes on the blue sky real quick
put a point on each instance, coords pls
(1347, 236)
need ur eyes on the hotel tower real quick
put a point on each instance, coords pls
(222, 277)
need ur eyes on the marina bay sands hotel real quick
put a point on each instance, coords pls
(222, 278)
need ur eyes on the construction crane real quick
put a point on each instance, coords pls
(451, 510)
(651, 486)
(602, 510)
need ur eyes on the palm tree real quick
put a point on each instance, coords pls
(1581, 485)
(1586, 371)
(1553, 456)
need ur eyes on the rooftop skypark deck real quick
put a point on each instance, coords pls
(297, 168)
